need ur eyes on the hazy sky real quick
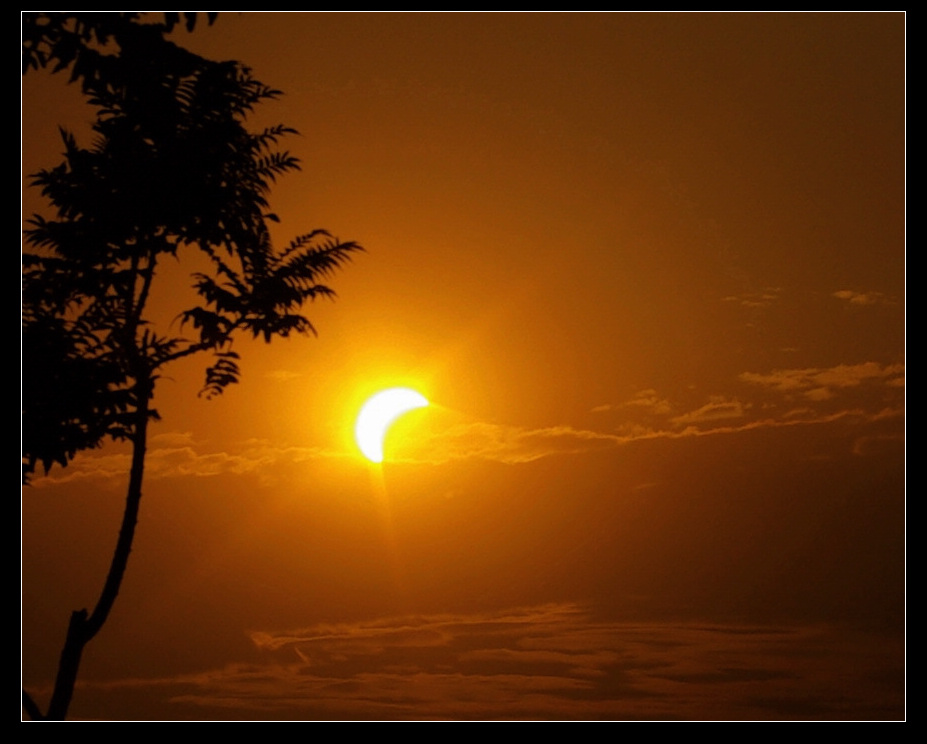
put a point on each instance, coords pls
(650, 271)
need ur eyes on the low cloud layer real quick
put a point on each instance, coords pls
(552, 661)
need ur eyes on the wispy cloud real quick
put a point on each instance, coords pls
(816, 383)
(863, 298)
(179, 455)
(645, 400)
(762, 298)
(718, 408)
(553, 661)
(514, 445)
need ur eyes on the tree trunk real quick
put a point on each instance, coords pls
(81, 628)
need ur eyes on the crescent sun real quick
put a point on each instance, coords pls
(378, 413)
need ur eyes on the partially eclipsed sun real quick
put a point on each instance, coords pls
(378, 413)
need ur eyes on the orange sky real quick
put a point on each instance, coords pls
(650, 271)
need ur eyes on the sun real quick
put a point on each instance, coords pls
(378, 413)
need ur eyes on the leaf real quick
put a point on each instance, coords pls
(171, 169)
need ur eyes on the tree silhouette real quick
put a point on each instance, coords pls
(172, 169)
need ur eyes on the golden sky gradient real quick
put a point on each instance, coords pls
(649, 270)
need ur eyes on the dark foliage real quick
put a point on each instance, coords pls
(172, 168)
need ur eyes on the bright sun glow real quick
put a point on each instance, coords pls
(378, 413)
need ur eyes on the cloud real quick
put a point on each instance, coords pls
(820, 384)
(716, 409)
(647, 400)
(172, 439)
(514, 445)
(763, 298)
(863, 298)
(178, 455)
(505, 443)
(552, 661)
